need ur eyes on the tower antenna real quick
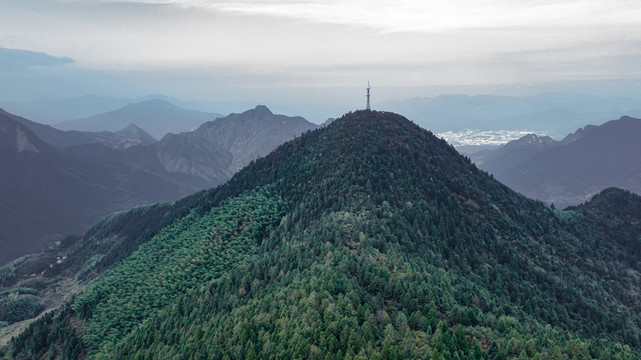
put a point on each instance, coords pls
(368, 96)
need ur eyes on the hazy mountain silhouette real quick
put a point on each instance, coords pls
(54, 110)
(570, 171)
(121, 139)
(157, 117)
(52, 136)
(74, 186)
(554, 114)
(47, 193)
(513, 153)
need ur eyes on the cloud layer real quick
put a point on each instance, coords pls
(283, 46)
(441, 16)
(431, 16)
(23, 60)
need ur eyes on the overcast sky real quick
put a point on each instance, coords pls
(312, 51)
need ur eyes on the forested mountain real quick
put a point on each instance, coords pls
(570, 171)
(158, 117)
(369, 238)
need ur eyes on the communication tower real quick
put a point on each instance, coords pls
(368, 96)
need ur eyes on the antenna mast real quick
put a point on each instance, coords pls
(368, 96)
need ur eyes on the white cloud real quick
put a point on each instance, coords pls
(235, 46)
(434, 15)
(22, 60)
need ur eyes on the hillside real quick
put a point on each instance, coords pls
(53, 137)
(217, 149)
(571, 171)
(47, 193)
(53, 192)
(369, 238)
(158, 117)
(513, 153)
(120, 139)
(251, 134)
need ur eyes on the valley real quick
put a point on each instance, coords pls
(57, 183)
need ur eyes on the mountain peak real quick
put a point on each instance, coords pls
(531, 139)
(156, 116)
(536, 138)
(612, 195)
(152, 102)
(628, 118)
(133, 131)
(261, 112)
(625, 125)
(130, 127)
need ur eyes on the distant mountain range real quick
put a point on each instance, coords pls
(513, 153)
(120, 139)
(158, 117)
(553, 114)
(51, 111)
(47, 192)
(61, 188)
(55, 110)
(570, 171)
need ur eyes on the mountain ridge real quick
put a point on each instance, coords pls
(48, 193)
(367, 238)
(260, 137)
(157, 117)
(574, 169)
(119, 139)
(555, 114)
(514, 152)
(113, 171)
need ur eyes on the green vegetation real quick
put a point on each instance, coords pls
(89, 265)
(369, 239)
(8, 271)
(16, 307)
(190, 252)
(18, 291)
